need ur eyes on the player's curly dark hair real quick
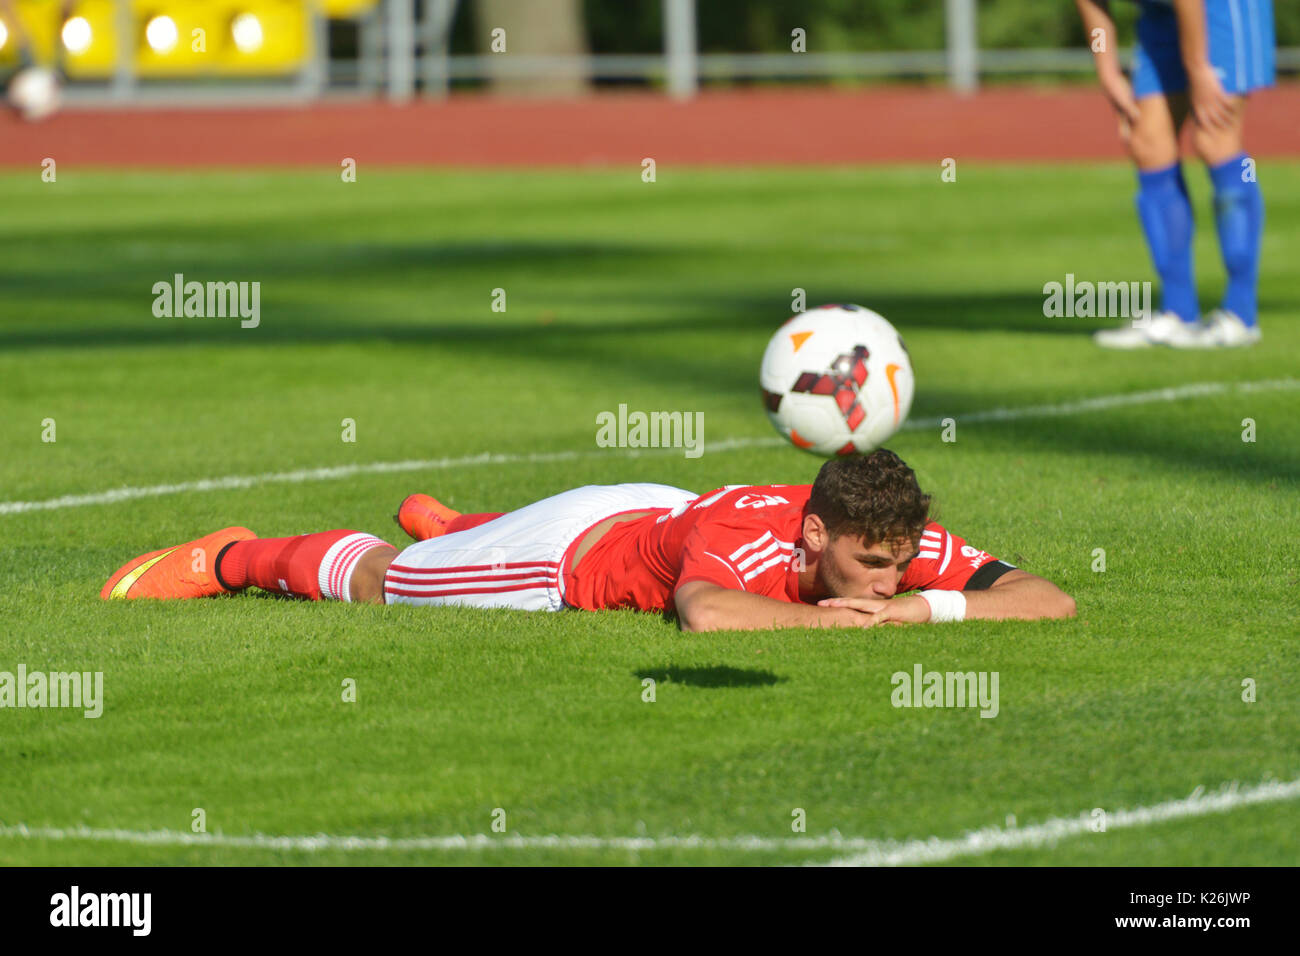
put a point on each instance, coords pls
(874, 495)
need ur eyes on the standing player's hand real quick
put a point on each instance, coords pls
(908, 609)
(1211, 106)
(1120, 93)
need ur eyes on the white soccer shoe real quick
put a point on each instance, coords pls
(1163, 328)
(1225, 330)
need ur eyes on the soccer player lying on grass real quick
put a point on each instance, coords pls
(831, 554)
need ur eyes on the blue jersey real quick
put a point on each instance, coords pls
(1239, 34)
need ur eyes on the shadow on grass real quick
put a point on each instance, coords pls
(527, 331)
(716, 339)
(709, 676)
(542, 330)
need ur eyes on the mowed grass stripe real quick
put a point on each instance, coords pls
(232, 482)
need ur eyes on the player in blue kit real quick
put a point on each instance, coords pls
(1200, 58)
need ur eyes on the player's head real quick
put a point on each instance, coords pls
(863, 523)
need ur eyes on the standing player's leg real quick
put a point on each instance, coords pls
(1165, 213)
(1240, 42)
(1239, 218)
(1163, 207)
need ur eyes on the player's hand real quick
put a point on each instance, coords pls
(1211, 106)
(1120, 93)
(909, 609)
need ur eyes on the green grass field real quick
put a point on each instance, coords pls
(375, 306)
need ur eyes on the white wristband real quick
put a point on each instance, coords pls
(945, 605)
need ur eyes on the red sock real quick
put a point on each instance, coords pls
(313, 566)
(467, 521)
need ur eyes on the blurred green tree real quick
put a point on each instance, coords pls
(636, 26)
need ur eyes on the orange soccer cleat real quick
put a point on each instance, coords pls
(424, 517)
(186, 571)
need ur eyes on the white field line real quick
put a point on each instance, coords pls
(1104, 402)
(234, 482)
(865, 852)
(980, 842)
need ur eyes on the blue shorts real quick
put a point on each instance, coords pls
(1241, 41)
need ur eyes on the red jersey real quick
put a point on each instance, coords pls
(745, 537)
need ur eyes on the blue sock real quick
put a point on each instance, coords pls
(1239, 214)
(1166, 215)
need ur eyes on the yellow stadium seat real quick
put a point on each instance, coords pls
(176, 38)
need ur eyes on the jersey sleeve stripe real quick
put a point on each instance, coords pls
(780, 558)
(756, 543)
(760, 555)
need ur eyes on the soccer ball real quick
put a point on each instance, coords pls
(837, 380)
(34, 93)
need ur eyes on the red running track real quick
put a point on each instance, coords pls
(791, 126)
